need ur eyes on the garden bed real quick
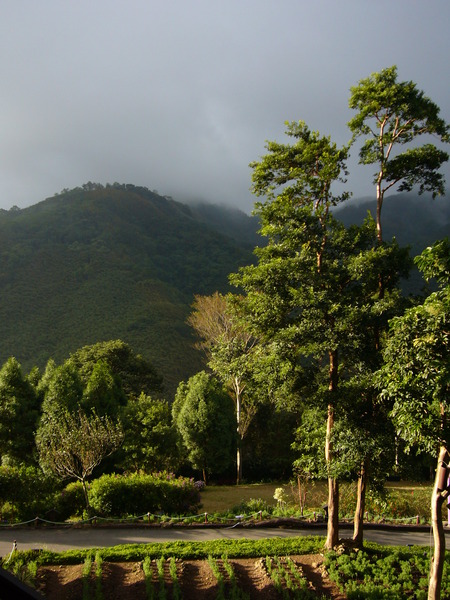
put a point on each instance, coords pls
(126, 581)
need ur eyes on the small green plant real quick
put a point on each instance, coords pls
(98, 576)
(385, 573)
(86, 574)
(32, 572)
(148, 575)
(176, 591)
(288, 581)
(235, 592)
(162, 593)
(218, 575)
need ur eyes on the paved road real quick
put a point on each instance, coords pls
(68, 538)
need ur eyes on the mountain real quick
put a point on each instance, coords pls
(114, 262)
(121, 262)
(415, 221)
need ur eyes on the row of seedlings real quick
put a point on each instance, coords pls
(228, 587)
(155, 578)
(86, 577)
(287, 578)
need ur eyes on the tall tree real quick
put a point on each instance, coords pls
(103, 392)
(229, 347)
(415, 378)
(392, 116)
(18, 413)
(397, 122)
(135, 374)
(150, 438)
(204, 415)
(302, 292)
(60, 388)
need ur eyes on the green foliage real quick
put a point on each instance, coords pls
(148, 575)
(138, 494)
(103, 393)
(416, 373)
(99, 263)
(204, 415)
(150, 442)
(15, 486)
(391, 115)
(125, 263)
(18, 414)
(86, 574)
(70, 502)
(183, 550)
(71, 445)
(115, 366)
(287, 579)
(251, 506)
(60, 389)
(308, 444)
(384, 573)
(98, 576)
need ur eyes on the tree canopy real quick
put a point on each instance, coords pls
(204, 416)
(392, 115)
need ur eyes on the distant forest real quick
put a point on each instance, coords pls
(119, 261)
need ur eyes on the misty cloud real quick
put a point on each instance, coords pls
(181, 96)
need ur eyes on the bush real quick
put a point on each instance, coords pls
(70, 501)
(26, 492)
(251, 506)
(138, 494)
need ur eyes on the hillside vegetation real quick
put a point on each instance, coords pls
(121, 262)
(101, 263)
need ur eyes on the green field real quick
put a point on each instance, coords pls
(401, 500)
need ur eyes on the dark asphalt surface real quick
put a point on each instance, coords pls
(60, 539)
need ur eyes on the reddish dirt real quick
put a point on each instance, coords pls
(125, 581)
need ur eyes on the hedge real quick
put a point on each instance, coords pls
(137, 494)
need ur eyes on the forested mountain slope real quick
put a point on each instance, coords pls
(115, 262)
(415, 221)
(121, 262)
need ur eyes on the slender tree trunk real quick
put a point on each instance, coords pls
(333, 514)
(379, 207)
(333, 485)
(239, 439)
(437, 500)
(86, 497)
(358, 523)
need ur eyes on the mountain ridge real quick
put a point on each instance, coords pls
(122, 262)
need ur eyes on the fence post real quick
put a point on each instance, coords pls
(206, 517)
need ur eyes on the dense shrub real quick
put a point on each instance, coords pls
(138, 494)
(251, 506)
(70, 501)
(25, 492)
(384, 573)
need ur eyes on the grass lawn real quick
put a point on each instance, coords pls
(220, 498)
(403, 499)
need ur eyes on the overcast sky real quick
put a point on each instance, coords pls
(180, 95)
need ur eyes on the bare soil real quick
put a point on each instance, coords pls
(126, 581)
